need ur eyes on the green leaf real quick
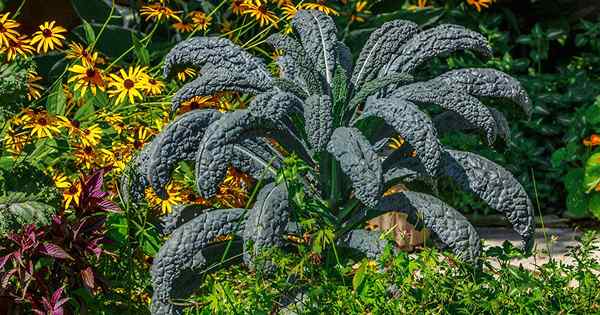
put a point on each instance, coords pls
(594, 205)
(359, 276)
(115, 40)
(577, 200)
(591, 178)
(57, 100)
(141, 52)
(90, 35)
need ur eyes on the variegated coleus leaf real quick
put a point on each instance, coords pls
(485, 82)
(494, 185)
(297, 62)
(179, 141)
(438, 93)
(437, 41)
(359, 162)
(215, 53)
(414, 126)
(220, 80)
(451, 227)
(369, 243)
(380, 48)
(318, 121)
(267, 221)
(318, 35)
(178, 265)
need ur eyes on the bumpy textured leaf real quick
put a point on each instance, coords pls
(290, 86)
(317, 34)
(451, 227)
(451, 121)
(219, 80)
(256, 158)
(496, 186)
(135, 180)
(177, 267)
(463, 104)
(297, 59)
(437, 41)
(381, 46)
(275, 105)
(179, 141)
(414, 127)
(179, 215)
(318, 121)
(373, 86)
(267, 220)
(407, 169)
(19, 209)
(359, 161)
(344, 57)
(215, 53)
(488, 83)
(367, 242)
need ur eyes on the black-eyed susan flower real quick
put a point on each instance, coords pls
(20, 46)
(396, 143)
(127, 84)
(158, 12)
(72, 193)
(360, 10)
(259, 11)
(48, 37)
(185, 73)
(183, 27)
(174, 197)
(42, 125)
(60, 180)
(121, 155)
(76, 51)
(200, 20)
(8, 30)
(89, 157)
(139, 136)
(153, 86)
(478, 4)
(237, 6)
(320, 6)
(289, 10)
(91, 135)
(34, 89)
(87, 76)
(197, 102)
(14, 141)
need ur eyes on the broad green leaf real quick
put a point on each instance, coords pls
(359, 276)
(577, 200)
(591, 178)
(90, 35)
(57, 100)
(594, 205)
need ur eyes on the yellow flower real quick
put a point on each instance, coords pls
(258, 9)
(421, 4)
(48, 37)
(183, 27)
(121, 155)
(174, 197)
(77, 51)
(87, 76)
(319, 6)
(197, 102)
(185, 73)
(478, 4)
(88, 157)
(237, 6)
(72, 193)
(360, 10)
(200, 20)
(15, 141)
(396, 143)
(33, 89)
(91, 136)
(153, 86)
(18, 47)
(289, 10)
(157, 12)
(61, 181)
(7, 30)
(42, 125)
(127, 84)
(141, 136)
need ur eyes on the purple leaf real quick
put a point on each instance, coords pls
(4, 260)
(55, 251)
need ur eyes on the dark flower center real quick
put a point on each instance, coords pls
(90, 73)
(88, 150)
(75, 123)
(138, 144)
(72, 189)
(42, 121)
(47, 32)
(128, 83)
(194, 105)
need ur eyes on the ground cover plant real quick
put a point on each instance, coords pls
(83, 98)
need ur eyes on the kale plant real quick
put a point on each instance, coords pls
(338, 118)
